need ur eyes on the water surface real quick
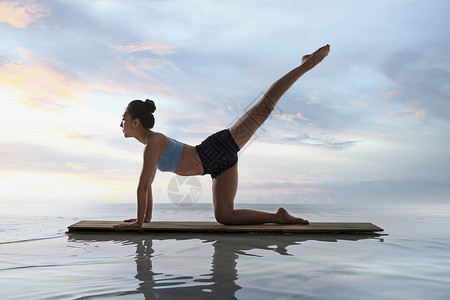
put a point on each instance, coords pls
(410, 260)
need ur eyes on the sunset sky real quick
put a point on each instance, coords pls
(370, 124)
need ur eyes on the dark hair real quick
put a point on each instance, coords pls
(139, 109)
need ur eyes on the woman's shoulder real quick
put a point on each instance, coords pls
(157, 135)
(157, 140)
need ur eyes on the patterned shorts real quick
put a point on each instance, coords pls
(218, 153)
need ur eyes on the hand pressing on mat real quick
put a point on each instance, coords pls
(135, 220)
(131, 223)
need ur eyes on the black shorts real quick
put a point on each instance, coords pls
(218, 153)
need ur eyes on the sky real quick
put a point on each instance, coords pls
(370, 124)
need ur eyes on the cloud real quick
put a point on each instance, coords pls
(34, 158)
(325, 142)
(409, 112)
(292, 117)
(46, 83)
(157, 48)
(26, 187)
(419, 78)
(310, 136)
(20, 15)
(392, 94)
(383, 191)
(403, 190)
(70, 134)
(76, 166)
(41, 81)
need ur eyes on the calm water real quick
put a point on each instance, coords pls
(411, 260)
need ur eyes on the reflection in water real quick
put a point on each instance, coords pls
(221, 282)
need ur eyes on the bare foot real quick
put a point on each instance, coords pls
(285, 218)
(311, 60)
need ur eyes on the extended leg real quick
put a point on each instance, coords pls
(224, 188)
(246, 126)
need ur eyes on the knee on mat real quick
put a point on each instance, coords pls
(224, 219)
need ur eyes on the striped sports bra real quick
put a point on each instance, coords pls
(168, 161)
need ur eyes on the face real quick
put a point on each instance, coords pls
(127, 125)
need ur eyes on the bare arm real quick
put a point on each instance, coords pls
(149, 209)
(144, 190)
(148, 198)
(144, 195)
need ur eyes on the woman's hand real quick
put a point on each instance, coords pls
(128, 225)
(135, 220)
(130, 220)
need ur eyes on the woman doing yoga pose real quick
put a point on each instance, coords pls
(216, 155)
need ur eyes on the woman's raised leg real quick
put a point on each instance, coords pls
(224, 186)
(246, 126)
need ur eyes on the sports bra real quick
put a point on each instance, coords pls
(168, 161)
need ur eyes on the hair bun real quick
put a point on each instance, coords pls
(150, 105)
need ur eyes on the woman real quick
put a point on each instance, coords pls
(217, 155)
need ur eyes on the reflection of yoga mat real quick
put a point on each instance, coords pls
(213, 227)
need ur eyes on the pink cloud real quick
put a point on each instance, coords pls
(45, 83)
(292, 117)
(392, 94)
(416, 112)
(39, 80)
(20, 15)
(157, 48)
(410, 112)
